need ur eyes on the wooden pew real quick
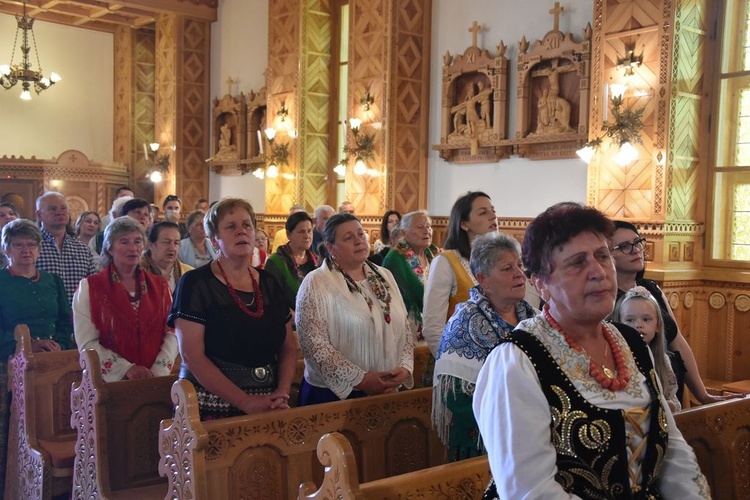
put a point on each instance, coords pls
(463, 480)
(273, 452)
(40, 441)
(116, 453)
(720, 435)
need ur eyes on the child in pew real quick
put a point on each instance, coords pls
(639, 309)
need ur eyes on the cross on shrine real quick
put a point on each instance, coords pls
(556, 11)
(475, 29)
(229, 85)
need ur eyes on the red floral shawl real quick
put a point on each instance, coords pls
(134, 334)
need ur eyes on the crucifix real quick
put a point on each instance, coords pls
(229, 83)
(556, 11)
(475, 29)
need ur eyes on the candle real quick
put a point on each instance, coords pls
(260, 142)
(145, 151)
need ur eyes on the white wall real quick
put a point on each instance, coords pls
(239, 48)
(76, 113)
(518, 187)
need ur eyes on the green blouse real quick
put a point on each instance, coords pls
(42, 305)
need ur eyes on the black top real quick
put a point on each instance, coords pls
(230, 334)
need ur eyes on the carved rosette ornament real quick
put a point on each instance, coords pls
(688, 300)
(674, 300)
(742, 303)
(717, 300)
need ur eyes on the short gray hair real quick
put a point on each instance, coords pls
(117, 205)
(323, 208)
(20, 228)
(45, 195)
(487, 248)
(115, 229)
(408, 219)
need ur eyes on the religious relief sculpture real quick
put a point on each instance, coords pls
(553, 93)
(234, 148)
(475, 107)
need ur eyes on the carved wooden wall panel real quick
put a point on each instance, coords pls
(407, 125)
(165, 101)
(685, 196)
(369, 69)
(315, 111)
(282, 78)
(142, 116)
(193, 105)
(123, 94)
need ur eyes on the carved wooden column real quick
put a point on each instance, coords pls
(662, 189)
(181, 117)
(389, 58)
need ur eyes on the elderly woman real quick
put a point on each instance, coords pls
(293, 260)
(351, 322)
(31, 297)
(160, 257)
(450, 276)
(121, 312)
(409, 262)
(233, 325)
(628, 252)
(568, 406)
(493, 310)
(196, 250)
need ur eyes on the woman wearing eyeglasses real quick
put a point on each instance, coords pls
(628, 253)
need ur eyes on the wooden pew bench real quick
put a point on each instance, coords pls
(40, 440)
(273, 452)
(116, 453)
(720, 435)
(463, 480)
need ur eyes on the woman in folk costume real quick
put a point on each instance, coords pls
(569, 406)
(351, 322)
(493, 310)
(121, 312)
(450, 276)
(293, 260)
(409, 262)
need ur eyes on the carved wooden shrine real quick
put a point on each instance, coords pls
(553, 94)
(237, 129)
(474, 105)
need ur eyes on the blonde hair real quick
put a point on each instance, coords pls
(658, 344)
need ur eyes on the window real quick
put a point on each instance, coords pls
(730, 161)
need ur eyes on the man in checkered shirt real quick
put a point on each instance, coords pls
(61, 253)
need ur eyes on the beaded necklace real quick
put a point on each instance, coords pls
(603, 375)
(258, 313)
(377, 284)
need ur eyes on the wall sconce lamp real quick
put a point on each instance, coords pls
(629, 62)
(283, 111)
(624, 130)
(362, 150)
(278, 154)
(367, 101)
(159, 164)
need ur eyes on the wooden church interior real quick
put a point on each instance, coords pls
(204, 79)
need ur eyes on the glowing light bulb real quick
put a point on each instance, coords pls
(156, 176)
(259, 173)
(355, 123)
(626, 155)
(360, 168)
(55, 77)
(270, 133)
(617, 90)
(273, 171)
(340, 169)
(154, 146)
(586, 153)
(26, 95)
(5, 70)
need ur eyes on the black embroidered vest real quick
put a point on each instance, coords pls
(592, 460)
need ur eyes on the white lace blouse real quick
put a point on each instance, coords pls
(341, 339)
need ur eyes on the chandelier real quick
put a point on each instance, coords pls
(11, 74)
